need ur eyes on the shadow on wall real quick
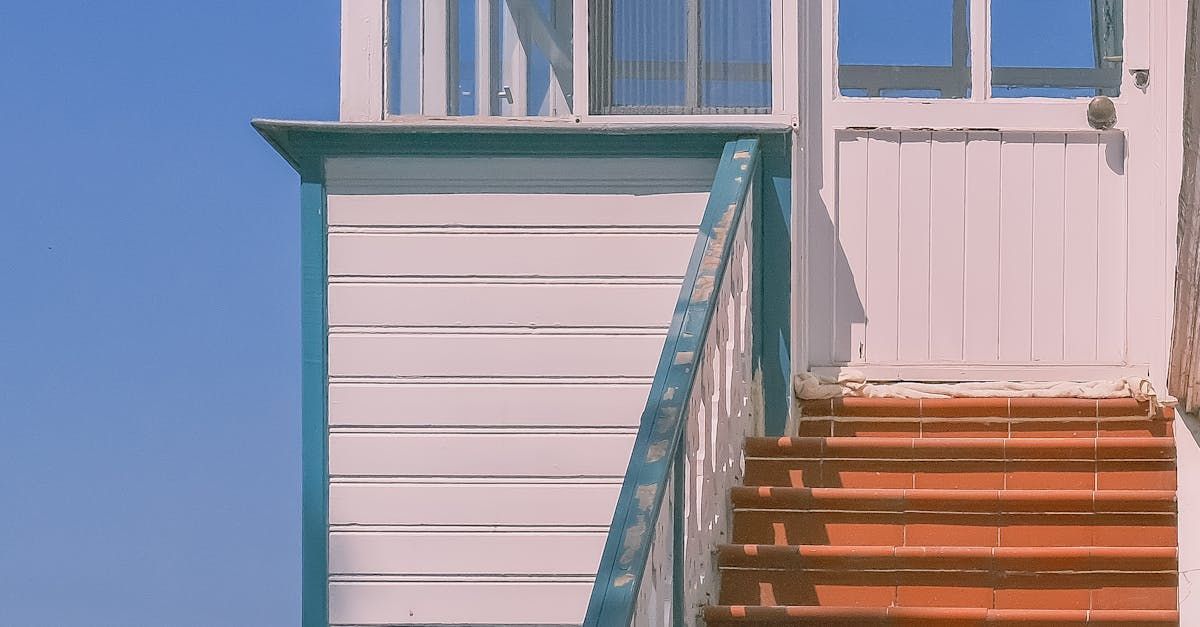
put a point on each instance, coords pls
(831, 297)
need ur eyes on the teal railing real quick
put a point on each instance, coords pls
(657, 563)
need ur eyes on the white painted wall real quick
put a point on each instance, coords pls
(984, 248)
(494, 327)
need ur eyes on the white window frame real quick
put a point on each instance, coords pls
(980, 110)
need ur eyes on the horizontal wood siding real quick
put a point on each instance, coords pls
(527, 453)
(515, 403)
(564, 305)
(450, 553)
(520, 210)
(354, 602)
(494, 327)
(979, 247)
(469, 176)
(515, 503)
(514, 254)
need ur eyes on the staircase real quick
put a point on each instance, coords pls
(956, 512)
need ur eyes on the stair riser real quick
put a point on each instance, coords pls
(951, 622)
(981, 475)
(971, 407)
(1129, 590)
(935, 617)
(952, 529)
(983, 428)
(1009, 500)
(1007, 561)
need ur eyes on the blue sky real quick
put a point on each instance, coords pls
(149, 333)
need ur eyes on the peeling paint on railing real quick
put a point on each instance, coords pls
(657, 565)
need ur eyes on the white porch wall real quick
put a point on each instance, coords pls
(494, 327)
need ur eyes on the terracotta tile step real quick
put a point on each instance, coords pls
(937, 500)
(933, 616)
(1074, 559)
(980, 407)
(950, 588)
(989, 529)
(979, 474)
(961, 448)
(1108, 426)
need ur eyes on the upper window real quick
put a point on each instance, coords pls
(680, 56)
(915, 48)
(921, 48)
(479, 57)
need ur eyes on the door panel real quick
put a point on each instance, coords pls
(980, 247)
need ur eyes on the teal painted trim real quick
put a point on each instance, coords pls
(678, 528)
(655, 449)
(773, 322)
(314, 407)
(306, 146)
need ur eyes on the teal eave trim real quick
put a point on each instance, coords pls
(314, 407)
(306, 145)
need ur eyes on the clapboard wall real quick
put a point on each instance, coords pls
(979, 248)
(494, 324)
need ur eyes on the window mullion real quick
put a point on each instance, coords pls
(959, 78)
(485, 91)
(981, 49)
(692, 66)
(435, 58)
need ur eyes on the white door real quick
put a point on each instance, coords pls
(965, 220)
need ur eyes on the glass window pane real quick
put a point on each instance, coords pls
(404, 57)
(659, 57)
(464, 24)
(1060, 49)
(530, 55)
(904, 48)
(735, 55)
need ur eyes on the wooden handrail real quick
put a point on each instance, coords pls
(656, 451)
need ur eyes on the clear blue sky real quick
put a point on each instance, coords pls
(149, 332)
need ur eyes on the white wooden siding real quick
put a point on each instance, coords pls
(439, 254)
(415, 502)
(520, 210)
(494, 327)
(429, 354)
(978, 248)
(448, 553)
(526, 453)
(513, 403)
(442, 304)
(507, 602)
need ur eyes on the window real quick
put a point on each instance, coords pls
(680, 56)
(1063, 49)
(479, 57)
(921, 48)
(914, 48)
